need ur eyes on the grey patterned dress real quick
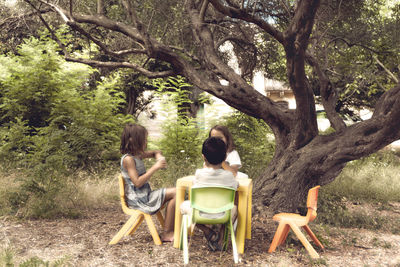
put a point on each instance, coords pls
(143, 198)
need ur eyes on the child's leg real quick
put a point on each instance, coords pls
(211, 236)
(222, 229)
(206, 230)
(170, 197)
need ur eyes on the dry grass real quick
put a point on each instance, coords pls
(97, 192)
(84, 242)
(372, 181)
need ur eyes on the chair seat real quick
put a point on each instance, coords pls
(291, 217)
(136, 219)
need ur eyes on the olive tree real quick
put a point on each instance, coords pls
(187, 37)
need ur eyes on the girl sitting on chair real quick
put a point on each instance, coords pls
(137, 189)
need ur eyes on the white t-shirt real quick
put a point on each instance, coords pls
(233, 158)
(210, 177)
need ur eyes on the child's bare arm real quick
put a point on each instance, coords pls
(152, 154)
(232, 168)
(139, 181)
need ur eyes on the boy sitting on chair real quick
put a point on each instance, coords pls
(214, 154)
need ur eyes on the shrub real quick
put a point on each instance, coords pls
(254, 142)
(15, 142)
(181, 146)
(53, 125)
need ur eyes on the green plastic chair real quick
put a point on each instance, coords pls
(216, 199)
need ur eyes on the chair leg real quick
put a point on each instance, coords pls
(160, 219)
(277, 237)
(312, 235)
(234, 247)
(135, 226)
(184, 239)
(284, 235)
(191, 228)
(226, 237)
(123, 230)
(152, 229)
(304, 241)
(181, 236)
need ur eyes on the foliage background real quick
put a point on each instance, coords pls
(60, 122)
(54, 125)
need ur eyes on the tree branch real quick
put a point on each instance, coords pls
(100, 7)
(53, 35)
(366, 137)
(328, 96)
(79, 29)
(127, 5)
(114, 65)
(391, 75)
(231, 38)
(203, 10)
(296, 41)
(238, 93)
(186, 53)
(9, 20)
(237, 13)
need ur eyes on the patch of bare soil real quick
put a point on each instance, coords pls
(84, 242)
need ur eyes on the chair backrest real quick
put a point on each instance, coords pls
(212, 199)
(121, 182)
(312, 200)
(215, 199)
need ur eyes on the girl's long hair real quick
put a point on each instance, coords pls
(225, 131)
(133, 139)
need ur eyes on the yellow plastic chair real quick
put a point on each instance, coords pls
(136, 219)
(294, 221)
(211, 200)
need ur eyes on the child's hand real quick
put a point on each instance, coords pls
(161, 163)
(158, 154)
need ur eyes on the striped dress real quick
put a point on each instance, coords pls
(143, 198)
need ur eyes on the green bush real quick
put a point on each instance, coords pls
(54, 125)
(182, 141)
(15, 142)
(49, 113)
(181, 145)
(182, 137)
(254, 142)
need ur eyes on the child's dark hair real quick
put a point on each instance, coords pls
(133, 139)
(225, 131)
(214, 150)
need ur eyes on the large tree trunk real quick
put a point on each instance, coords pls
(285, 182)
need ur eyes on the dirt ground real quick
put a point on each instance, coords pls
(84, 242)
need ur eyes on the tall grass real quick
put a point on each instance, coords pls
(75, 194)
(374, 180)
